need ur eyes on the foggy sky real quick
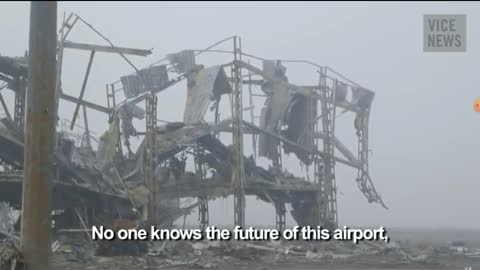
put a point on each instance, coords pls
(424, 133)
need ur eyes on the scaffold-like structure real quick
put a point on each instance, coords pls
(108, 176)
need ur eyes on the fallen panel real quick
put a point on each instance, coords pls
(206, 85)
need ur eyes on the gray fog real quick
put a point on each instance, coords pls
(424, 133)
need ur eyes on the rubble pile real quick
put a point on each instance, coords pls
(10, 256)
(77, 251)
(239, 254)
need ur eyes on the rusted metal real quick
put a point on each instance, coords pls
(39, 135)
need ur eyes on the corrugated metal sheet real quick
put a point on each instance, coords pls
(148, 80)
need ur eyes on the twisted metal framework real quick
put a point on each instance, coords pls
(19, 113)
(326, 165)
(322, 105)
(364, 181)
(200, 170)
(150, 162)
(237, 116)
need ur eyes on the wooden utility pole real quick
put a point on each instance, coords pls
(39, 135)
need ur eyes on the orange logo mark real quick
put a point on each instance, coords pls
(476, 105)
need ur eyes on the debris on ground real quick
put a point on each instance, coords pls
(225, 254)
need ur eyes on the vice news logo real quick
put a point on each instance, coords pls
(444, 33)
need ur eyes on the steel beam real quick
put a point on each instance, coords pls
(238, 175)
(5, 108)
(86, 103)
(203, 215)
(326, 169)
(280, 215)
(19, 107)
(107, 49)
(150, 161)
(82, 91)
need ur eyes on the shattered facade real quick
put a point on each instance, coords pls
(99, 185)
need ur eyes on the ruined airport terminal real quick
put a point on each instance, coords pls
(143, 169)
(103, 177)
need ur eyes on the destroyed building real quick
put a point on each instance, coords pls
(98, 181)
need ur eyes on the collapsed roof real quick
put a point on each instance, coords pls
(294, 119)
